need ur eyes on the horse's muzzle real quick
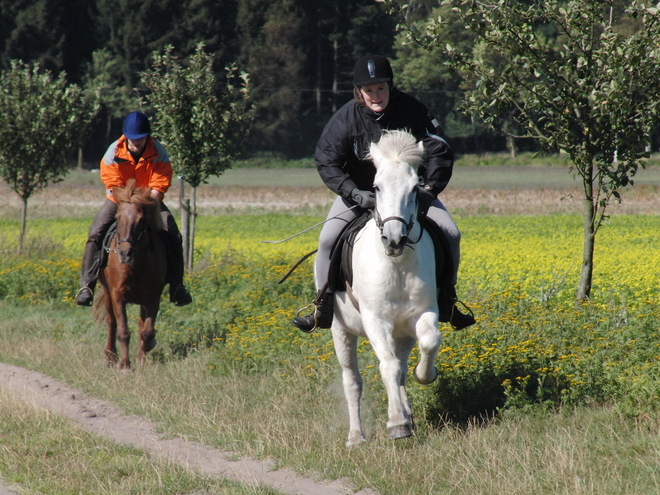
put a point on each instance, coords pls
(394, 248)
(126, 255)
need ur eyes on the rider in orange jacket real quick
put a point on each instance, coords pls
(135, 155)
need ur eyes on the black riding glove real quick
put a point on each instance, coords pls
(366, 199)
(425, 197)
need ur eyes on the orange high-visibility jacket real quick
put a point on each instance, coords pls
(152, 170)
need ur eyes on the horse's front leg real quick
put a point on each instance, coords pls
(379, 331)
(346, 349)
(429, 339)
(123, 335)
(147, 329)
(403, 347)
(111, 344)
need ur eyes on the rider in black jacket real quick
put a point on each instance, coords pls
(341, 162)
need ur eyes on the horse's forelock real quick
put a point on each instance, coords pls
(140, 196)
(399, 146)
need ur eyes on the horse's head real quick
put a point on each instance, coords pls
(136, 211)
(396, 157)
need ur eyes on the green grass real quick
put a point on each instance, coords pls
(45, 453)
(230, 371)
(297, 419)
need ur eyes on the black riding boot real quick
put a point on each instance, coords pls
(85, 296)
(179, 295)
(449, 312)
(89, 273)
(91, 262)
(321, 317)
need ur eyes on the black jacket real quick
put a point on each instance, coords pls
(346, 138)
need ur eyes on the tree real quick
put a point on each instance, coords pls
(56, 34)
(101, 78)
(275, 58)
(42, 119)
(202, 128)
(582, 76)
(422, 72)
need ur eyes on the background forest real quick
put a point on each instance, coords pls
(299, 55)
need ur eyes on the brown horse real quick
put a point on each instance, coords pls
(134, 273)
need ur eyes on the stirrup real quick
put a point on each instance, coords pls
(468, 319)
(180, 296)
(85, 296)
(304, 325)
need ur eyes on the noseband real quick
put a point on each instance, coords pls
(380, 223)
(129, 240)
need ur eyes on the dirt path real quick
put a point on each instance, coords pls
(105, 419)
(5, 489)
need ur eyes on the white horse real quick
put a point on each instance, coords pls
(394, 288)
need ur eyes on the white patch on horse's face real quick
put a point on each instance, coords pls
(395, 184)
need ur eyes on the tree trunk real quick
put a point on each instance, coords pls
(21, 237)
(319, 76)
(193, 217)
(511, 144)
(80, 158)
(335, 74)
(108, 129)
(185, 228)
(589, 212)
(184, 206)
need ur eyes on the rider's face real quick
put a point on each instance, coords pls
(137, 145)
(376, 96)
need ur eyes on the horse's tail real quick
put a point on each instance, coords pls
(98, 307)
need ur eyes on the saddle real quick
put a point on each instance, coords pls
(107, 239)
(341, 270)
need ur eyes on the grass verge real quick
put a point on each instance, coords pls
(45, 453)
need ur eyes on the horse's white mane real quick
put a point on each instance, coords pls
(398, 146)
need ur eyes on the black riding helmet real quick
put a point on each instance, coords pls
(372, 69)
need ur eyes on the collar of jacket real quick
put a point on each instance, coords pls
(149, 148)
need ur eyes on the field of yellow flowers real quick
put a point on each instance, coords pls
(532, 346)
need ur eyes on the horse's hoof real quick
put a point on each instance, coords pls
(355, 439)
(126, 371)
(422, 381)
(400, 431)
(149, 345)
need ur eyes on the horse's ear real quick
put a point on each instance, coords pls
(375, 154)
(420, 146)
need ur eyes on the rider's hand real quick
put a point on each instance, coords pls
(157, 195)
(366, 199)
(425, 198)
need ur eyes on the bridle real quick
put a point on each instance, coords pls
(380, 222)
(133, 242)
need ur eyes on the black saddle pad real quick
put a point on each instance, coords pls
(341, 270)
(107, 239)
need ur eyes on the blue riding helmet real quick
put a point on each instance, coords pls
(136, 125)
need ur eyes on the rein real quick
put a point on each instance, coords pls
(129, 240)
